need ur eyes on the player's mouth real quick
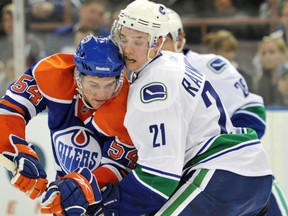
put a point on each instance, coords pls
(100, 101)
(129, 60)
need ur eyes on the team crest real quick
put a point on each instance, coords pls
(217, 65)
(153, 92)
(76, 147)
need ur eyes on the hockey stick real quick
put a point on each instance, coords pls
(8, 164)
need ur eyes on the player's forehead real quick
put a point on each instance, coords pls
(99, 80)
(133, 34)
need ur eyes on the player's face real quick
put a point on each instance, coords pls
(169, 44)
(135, 46)
(97, 90)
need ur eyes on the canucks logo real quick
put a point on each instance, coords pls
(153, 92)
(217, 65)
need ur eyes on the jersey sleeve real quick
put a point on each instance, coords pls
(251, 115)
(28, 96)
(118, 159)
(20, 104)
(245, 108)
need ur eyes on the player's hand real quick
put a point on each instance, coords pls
(110, 201)
(72, 194)
(29, 175)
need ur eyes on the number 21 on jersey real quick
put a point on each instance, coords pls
(158, 132)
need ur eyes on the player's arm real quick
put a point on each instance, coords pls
(118, 159)
(253, 115)
(21, 103)
(246, 109)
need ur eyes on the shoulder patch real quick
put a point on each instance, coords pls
(217, 65)
(153, 92)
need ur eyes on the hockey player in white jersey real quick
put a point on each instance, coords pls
(244, 108)
(187, 145)
(188, 149)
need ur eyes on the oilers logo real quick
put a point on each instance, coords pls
(76, 147)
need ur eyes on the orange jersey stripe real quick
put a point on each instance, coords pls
(54, 73)
(13, 106)
(110, 116)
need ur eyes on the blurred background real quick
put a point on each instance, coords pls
(255, 40)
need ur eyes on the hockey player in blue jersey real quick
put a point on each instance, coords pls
(191, 160)
(244, 108)
(85, 96)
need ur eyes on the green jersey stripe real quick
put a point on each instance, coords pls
(224, 142)
(186, 193)
(258, 110)
(161, 184)
(281, 196)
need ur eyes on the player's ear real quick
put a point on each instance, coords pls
(156, 48)
(182, 41)
(159, 44)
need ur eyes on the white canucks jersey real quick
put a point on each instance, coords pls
(225, 79)
(178, 124)
(245, 108)
(174, 115)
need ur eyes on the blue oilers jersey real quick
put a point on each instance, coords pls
(80, 136)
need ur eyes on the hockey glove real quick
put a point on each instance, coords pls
(110, 201)
(72, 194)
(29, 175)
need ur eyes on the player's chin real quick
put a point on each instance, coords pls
(130, 64)
(97, 104)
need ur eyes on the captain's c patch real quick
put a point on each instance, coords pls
(153, 92)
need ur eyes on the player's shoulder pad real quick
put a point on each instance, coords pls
(55, 76)
(156, 84)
